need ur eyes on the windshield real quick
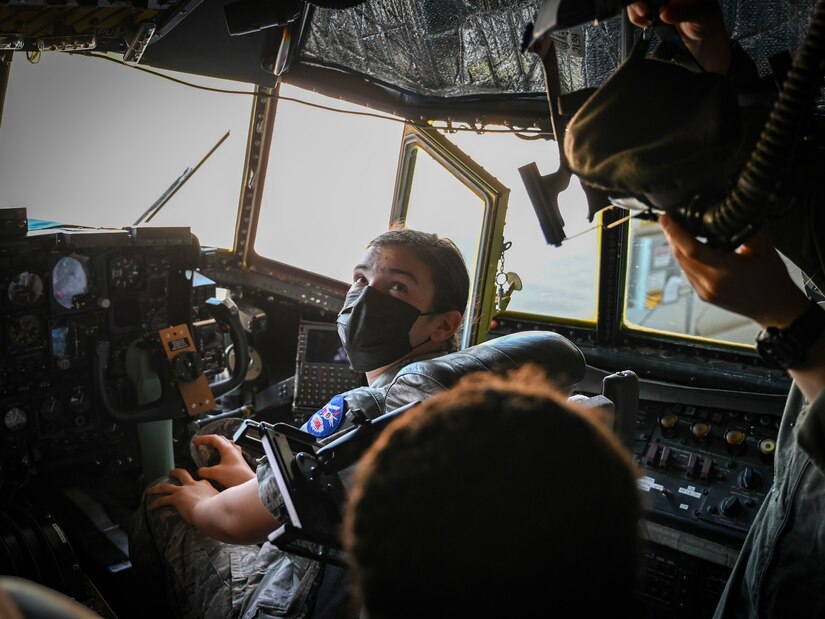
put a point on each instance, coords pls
(329, 184)
(660, 299)
(88, 142)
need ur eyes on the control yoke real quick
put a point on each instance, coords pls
(196, 395)
(307, 476)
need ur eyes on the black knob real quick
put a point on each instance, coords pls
(731, 507)
(750, 479)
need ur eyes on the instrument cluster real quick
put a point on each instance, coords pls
(60, 292)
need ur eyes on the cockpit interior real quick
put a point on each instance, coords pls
(186, 185)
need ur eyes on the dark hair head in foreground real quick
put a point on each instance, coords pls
(497, 496)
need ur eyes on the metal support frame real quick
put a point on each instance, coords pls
(257, 158)
(5, 71)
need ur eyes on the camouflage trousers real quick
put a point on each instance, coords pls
(208, 579)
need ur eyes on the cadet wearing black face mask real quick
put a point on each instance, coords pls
(375, 328)
(406, 303)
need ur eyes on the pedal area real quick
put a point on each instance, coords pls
(78, 547)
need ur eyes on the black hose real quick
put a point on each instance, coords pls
(732, 221)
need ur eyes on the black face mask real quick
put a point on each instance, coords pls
(375, 328)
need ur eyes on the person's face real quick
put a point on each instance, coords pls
(398, 272)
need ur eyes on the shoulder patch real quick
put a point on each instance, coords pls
(326, 421)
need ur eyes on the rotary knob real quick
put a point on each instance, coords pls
(749, 479)
(731, 507)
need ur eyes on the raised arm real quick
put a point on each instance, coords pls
(754, 282)
(700, 25)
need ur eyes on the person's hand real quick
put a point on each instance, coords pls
(699, 23)
(184, 497)
(232, 470)
(752, 281)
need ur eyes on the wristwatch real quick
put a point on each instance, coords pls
(786, 348)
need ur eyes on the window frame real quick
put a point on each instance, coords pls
(494, 196)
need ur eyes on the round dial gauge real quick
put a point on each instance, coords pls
(70, 279)
(125, 272)
(24, 330)
(25, 289)
(15, 419)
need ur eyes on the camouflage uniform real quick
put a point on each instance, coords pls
(205, 578)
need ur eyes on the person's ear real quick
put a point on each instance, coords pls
(448, 324)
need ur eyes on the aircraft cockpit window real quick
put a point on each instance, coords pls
(559, 282)
(440, 188)
(92, 143)
(660, 299)
(329, 184)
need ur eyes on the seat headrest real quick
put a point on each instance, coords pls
(560, 358)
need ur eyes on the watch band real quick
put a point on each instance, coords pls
(786, 348)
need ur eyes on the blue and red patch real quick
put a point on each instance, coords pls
(326, 421)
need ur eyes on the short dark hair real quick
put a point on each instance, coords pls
(491, 499)
(441, 256)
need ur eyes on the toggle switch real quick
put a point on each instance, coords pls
(650, 460)
(707, 465)
(692, 465)
(664, 459)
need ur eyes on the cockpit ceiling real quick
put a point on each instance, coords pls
(462, 48)
(449, 48)
(418, 53)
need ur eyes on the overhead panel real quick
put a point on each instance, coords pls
(460, 48)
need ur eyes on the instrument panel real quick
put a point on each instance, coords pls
(63, 290)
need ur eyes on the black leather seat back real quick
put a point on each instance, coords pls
(558, 356)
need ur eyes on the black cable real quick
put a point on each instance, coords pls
(756, 190)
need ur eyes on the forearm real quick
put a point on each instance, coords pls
(235, 516)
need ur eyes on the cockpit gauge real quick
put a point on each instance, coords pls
(24, 330)
(70, 279)
(51, 408)
(125, 272)
(15, 419)
(25, 289)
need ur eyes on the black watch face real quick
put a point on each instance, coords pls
(777, 351)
